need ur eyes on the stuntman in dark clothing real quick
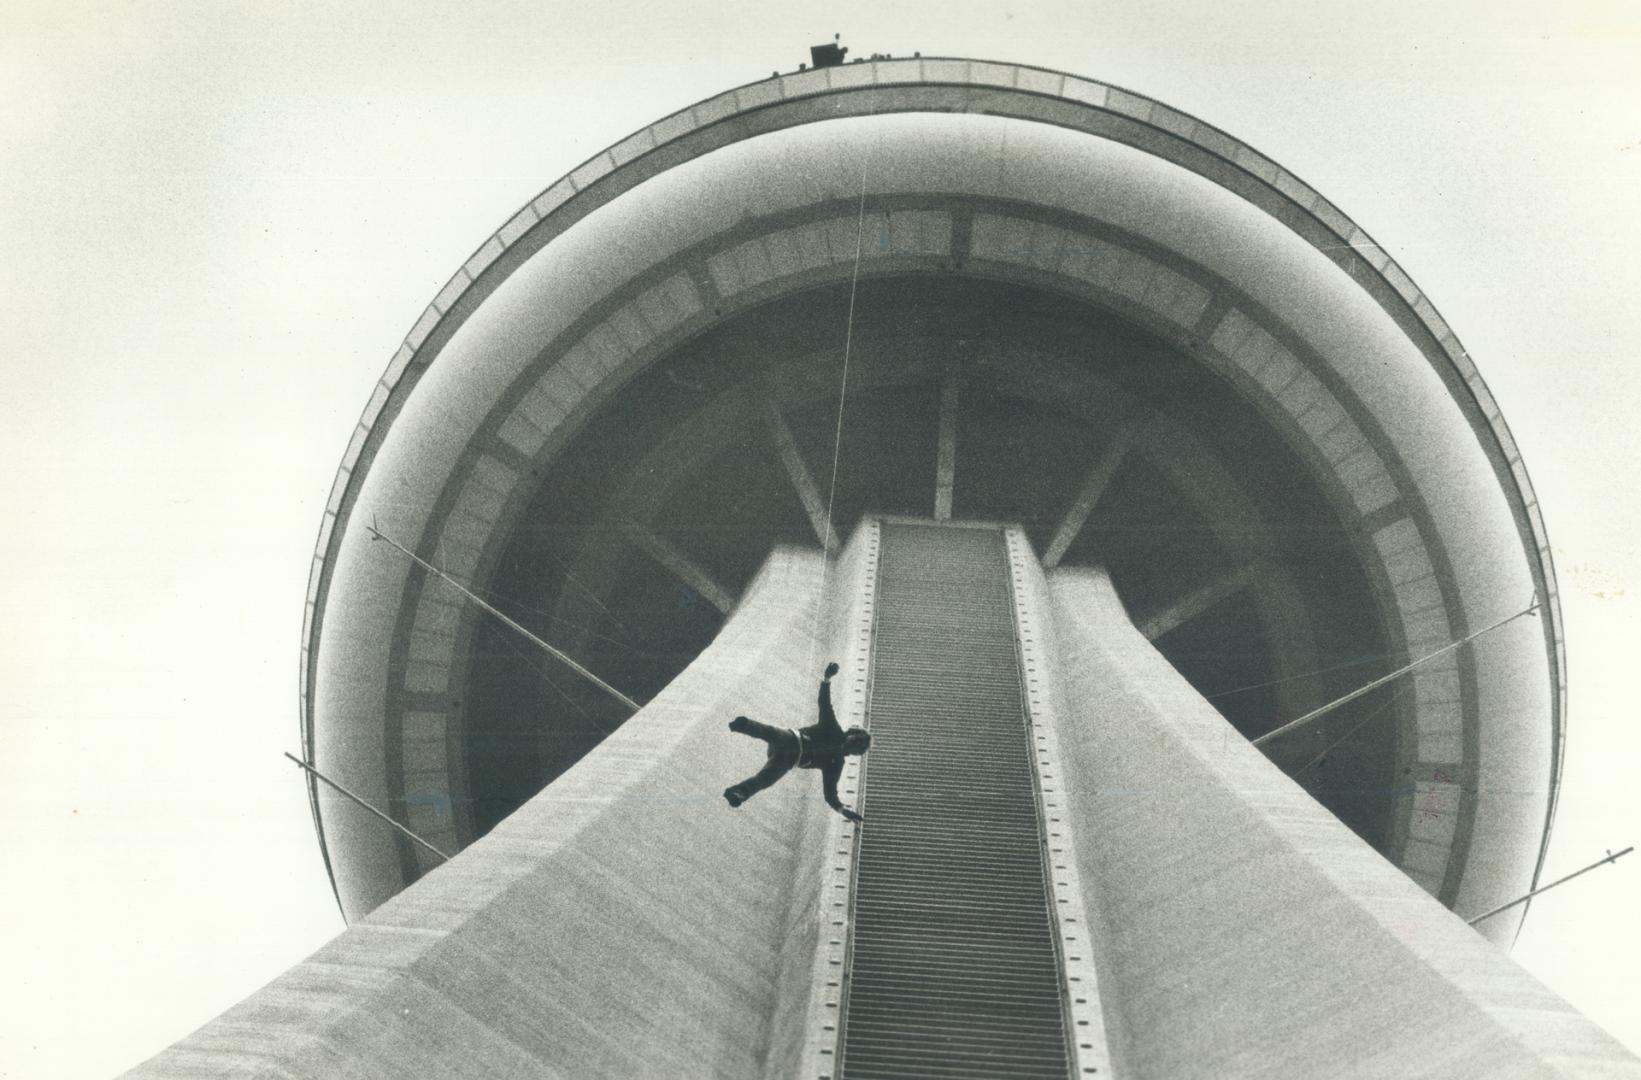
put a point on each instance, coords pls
(820, 746)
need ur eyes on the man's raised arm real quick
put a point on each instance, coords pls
(823, 701)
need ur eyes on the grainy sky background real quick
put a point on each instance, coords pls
(218, 220)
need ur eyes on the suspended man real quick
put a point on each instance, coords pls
(822, 745)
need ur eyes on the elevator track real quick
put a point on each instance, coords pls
(953, 969)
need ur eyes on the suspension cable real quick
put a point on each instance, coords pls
(505, 618)
(1293, 725)
(837, 436)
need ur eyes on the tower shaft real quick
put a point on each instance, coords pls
(1201, 915)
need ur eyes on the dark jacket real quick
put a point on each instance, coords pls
(821, 746)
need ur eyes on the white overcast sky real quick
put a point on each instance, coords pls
(217, 221)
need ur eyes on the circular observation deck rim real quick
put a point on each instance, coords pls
(962, 85)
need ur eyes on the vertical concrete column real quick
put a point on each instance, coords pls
(1243, 931)
(946, 468)
(624, 922)
(1035, 638)
(824, 898)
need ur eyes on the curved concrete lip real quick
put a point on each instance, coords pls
(1064, 116)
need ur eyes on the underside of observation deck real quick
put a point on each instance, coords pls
(1058, 303)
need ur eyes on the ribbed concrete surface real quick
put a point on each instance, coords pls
(1243, 932)
(624, 923)
(953, 968)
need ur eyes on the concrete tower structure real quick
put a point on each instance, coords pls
(1092, 444)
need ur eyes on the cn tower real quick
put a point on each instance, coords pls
(1097, 449)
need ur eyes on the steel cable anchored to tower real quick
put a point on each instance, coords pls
(1315, 714)
(484, 604)
(1611, 858)
(384, 815)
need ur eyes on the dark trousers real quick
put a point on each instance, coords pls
(783, 754)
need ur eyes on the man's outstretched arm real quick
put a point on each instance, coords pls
(829, 782)
(823, 702)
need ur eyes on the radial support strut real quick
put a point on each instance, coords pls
(1088, 496)
(1239, 921)
(1197, 601)
(681, 566)
(798, 473)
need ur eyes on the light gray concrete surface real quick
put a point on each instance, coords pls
(1243, 931)
(624, 923)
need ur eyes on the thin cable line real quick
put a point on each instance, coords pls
(540, 669)
(1294, 725)
(1358, 662)
(664, 764)
(1395, 696)
(837, 436)
(505, 618)
(1611, 858)
(384, 815)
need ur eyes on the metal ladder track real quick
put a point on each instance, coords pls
(953, 969)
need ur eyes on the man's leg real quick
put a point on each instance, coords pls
(781, 760)
(745, 725)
